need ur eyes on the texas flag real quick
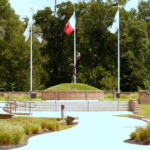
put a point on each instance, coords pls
(70, 26)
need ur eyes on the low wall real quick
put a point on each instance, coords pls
(73, 95)
(144, 97)
(134, 105)
(5, 116)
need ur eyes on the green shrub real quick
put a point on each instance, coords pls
(141, 134)
(12, 131)
(107, 96)
(35, 128)
(130, 96)
(27, 128)
(10, 134)
(133, 135)
(148, 132)
(53, 126)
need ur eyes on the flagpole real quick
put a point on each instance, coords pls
(31, 58)
(118, 56)
(75, 70)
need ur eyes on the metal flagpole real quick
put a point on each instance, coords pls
(118, 56)
(31, 60)
(75, 70)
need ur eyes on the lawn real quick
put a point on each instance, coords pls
(144, 110)
(72, 86)
(20, 97)
(123, 97)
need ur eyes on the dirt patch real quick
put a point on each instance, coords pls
(130, 141)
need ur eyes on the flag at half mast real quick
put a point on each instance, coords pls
(115, 25)
(70, 26)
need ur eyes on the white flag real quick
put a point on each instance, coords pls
(39, 38)
(27, 32)
(115, 25)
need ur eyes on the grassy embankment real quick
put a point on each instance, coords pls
(71, 86)
(14, 131)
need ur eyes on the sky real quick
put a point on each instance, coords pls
(22, 7)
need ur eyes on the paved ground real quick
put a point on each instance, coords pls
(95, 131)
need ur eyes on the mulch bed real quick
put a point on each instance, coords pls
(25, 141)
(130, 141)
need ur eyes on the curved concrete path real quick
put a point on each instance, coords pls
(95, 131)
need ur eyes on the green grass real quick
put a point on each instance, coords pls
(144, 110)
(121, 115)
(70, 86)
(13, 131)
(123, 97)
(21, 97)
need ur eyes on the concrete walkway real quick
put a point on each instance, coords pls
(95, 131)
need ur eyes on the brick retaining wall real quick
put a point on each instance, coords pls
(144, 97)
(134, 105)
(73, 95)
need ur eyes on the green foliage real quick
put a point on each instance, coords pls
(10, 134)
(13, 131)
(109, 82)
(117, 2)
(123, 97)
(15, 53)
(141, 134)
(98, 47)
(108, 96)
(72, 86)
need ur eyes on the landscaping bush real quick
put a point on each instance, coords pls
(107, 96)
(53, 126)
(141, 134)
(12, 131)
(11, 134)
(130, 96)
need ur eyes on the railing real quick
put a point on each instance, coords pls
(11, 105)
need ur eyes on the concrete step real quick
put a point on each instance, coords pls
(78, 106)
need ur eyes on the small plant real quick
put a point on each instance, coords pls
(36, 128)
(133, 135)
(11, 134)
(141, 134)
(107, 96)
(53, 126)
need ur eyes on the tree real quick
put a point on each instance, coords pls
(14, 52)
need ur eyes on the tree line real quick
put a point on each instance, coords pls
(98, 47)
